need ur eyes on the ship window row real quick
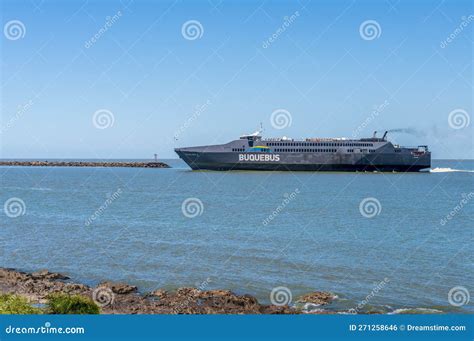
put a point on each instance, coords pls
(290, 150)
(310, 150)
(319, 144)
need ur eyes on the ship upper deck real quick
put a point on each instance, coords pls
(320, 139)
(256, 136)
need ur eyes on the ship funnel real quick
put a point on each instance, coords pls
(384, 135)
(375, 134)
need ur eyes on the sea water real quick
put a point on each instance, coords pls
(378, 241)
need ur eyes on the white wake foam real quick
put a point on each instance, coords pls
(415, 311)
(447, 170)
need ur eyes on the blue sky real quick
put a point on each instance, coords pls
(156, 84)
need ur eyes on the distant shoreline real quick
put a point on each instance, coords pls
(133, 164)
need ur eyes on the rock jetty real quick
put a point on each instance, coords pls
(85, 164)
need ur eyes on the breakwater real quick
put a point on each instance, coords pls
(85, 164)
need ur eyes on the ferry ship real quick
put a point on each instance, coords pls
(252, 152)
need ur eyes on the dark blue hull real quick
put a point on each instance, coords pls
(322, 163)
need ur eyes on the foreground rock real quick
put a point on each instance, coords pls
(317, 297)
(38, 285)
(119, 298)
(85, 164)
(45, 274)
(119, 288)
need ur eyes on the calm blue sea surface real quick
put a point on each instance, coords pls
(250, 231)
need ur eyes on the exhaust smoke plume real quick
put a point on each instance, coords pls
(410, 131)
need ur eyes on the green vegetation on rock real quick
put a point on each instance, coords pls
(71, 304)
(14, 304)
